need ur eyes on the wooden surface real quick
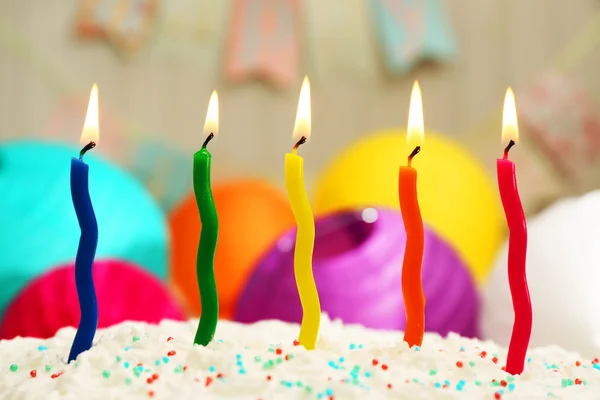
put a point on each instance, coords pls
(162, 93)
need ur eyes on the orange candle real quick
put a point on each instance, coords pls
(412, 284)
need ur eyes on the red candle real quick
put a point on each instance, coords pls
(412, 284)
(517, 242)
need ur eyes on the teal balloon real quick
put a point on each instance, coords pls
(38, 226)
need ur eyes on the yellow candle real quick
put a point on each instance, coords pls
(305, 236)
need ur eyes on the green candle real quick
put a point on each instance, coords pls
(205, 260)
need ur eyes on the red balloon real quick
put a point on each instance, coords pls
(124, 292)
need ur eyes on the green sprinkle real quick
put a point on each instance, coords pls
(106, 374)
(118, 358)
(136, 338)
(272, 350)
(14, 367)
(127, 381)
(279, 360)
(510, 378)
(308, 388)
(564, 382)
(432, 372)
(477, 383)
(178, 369)
(147, 370)
(290, 356)
(268, 364)
(471, 364)
(299, 384)
(257, 358)
(550, 394)
(48, 368)
(415, 380)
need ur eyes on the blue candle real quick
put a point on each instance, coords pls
(89, 237)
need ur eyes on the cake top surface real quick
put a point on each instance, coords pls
(261, 361)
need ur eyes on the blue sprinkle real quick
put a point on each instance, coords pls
(462, 348)
(596, 366)
(140, 368)
(352, 346)
(459, 387)
(238, 356)
(165, 359)
(220, 340)
(42, 348)
(127, 348)
(528, 359)
(320, 395)
(239, 363)
(157, 363)
(447, 382)
(461, 382)
(211, 368)
(126, 364)
(342, 359)
(242, 371)
(332, 364)
(438, 385)
(417, 348)
(329, 392)
(360, 346)
(501, 391)
(367, 374)
(511, 386)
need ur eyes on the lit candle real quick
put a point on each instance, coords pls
(517, 242)
(205, 261)
(305, 236)
(88, 240)
(412, 285)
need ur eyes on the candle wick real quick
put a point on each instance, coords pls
(86, 148)
(413, 154)
(507, 149)
(299, 143)
(208, 139)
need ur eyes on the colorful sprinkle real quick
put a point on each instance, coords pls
(14, 367)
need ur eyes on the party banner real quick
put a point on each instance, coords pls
(126, 23)
(264, 41)
(563, 120)
(411, 31)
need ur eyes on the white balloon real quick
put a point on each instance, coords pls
(563, 271)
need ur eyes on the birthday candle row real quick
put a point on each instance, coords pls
(412, 286)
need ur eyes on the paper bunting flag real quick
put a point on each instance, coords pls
(411, 31)
(563, 121)
(264, 41)
(126, 23)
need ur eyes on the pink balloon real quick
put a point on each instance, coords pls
(124, 292)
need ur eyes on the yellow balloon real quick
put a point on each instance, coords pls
(458, 199)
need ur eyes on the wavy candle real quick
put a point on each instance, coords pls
(305, 238)
(517, 242)
(412, 283)
(86, 252)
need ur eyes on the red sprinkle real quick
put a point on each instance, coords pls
(384, 367)
(268, 377)
(185, 367)
(389, 385)
(495, 360)
(578, 363)
(578, 381)
(149, 380)
(445, 386)
(278, 351)
(169, 338)
(296, 343)
(329, 378)
(154, 377)
(459, 364)
(54, 376)
(330, 397)
(219, 375)
(596, 361)
(287, 357)
(140, 364)
(375, 362)
(150, 393)
(503, 383)
(33, 373)
(171, 353)
(208, 381)
(497, 396)
(483, 354)
(504, 368)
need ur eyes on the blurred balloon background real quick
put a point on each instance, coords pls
(156, 67)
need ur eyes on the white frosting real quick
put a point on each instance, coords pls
(241, 353)
(563, 272)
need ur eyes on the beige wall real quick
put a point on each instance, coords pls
(163, 91)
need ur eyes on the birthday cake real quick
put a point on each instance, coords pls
(262, 361)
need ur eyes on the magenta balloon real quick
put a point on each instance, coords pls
(357, 265)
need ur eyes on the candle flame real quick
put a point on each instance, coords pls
(510, 127)
(302, 127)
(211, 125)
(90, 126)
(415, 134)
